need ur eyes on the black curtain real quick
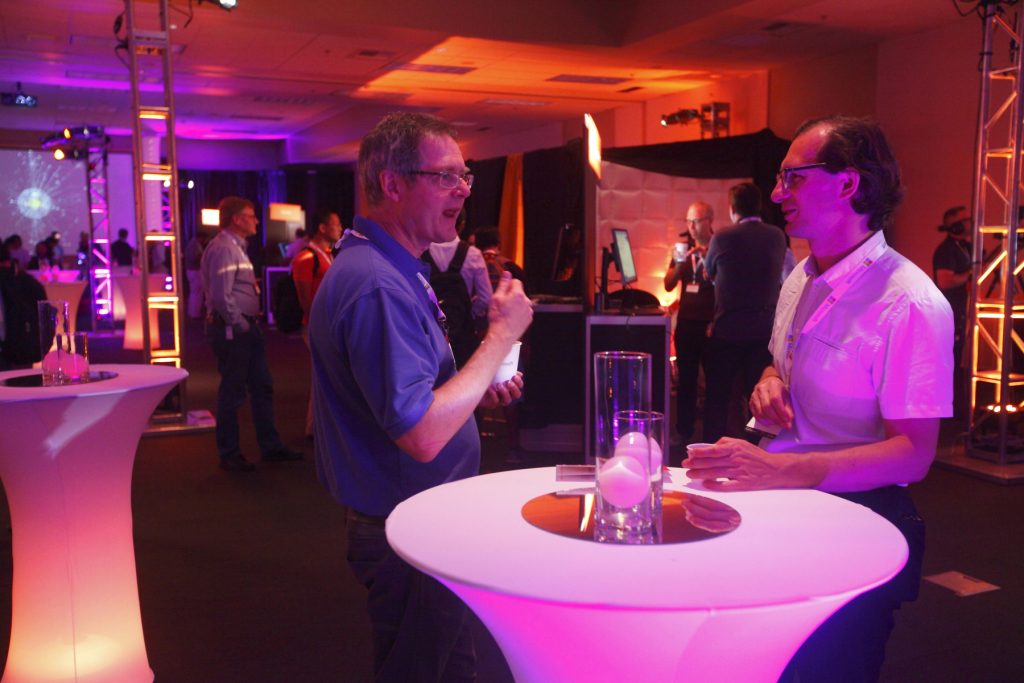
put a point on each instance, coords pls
(552, 200)
(212, 186)
(483, 208)
(756, 156)
(322, 187)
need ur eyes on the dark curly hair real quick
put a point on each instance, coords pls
(859, 144)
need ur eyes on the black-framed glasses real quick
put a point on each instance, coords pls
(448, 180)
(695, 221)
(785, 175)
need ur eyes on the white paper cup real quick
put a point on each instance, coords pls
(697, 447)
(509, 366)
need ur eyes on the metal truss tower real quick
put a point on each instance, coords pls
(997, 287)
(156, 184)
(99, 228)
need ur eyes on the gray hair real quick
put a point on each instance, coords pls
(394, 145)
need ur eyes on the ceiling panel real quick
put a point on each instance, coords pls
(306, 71)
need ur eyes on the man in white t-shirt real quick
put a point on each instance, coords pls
(862, 368)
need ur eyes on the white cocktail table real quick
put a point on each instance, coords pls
(731, 608)
(66, 463)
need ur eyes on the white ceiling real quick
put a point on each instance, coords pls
(321, 72)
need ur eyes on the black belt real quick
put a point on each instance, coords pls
(373, 520)
(216, 318)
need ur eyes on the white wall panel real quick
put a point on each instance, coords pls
(653, 208)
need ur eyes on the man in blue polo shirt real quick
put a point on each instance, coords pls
(393, 417)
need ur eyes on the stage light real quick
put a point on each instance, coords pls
(680, 117)
(58, 154)
(18, 98)
(223, 4)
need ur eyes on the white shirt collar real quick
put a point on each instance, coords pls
(872, 248)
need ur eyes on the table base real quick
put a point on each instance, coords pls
(545, 641)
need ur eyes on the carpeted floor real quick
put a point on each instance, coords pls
(242, 577)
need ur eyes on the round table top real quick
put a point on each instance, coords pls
(792, 546)
(129, 377)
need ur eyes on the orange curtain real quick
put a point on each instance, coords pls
(510, 220)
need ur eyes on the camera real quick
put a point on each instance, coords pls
(958, 228)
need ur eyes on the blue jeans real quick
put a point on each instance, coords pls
(420, 628)
(242, 364)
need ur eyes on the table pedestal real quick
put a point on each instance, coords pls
(729, 609)
(545, 641)
(66, 464)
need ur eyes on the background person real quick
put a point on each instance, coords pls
(459, 277)
(308, 269)
(745, 261)
(121, 252)
(695, 313)
(233, 304)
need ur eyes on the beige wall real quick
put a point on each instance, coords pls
(922, 88)
(840, 84)
(928, 86)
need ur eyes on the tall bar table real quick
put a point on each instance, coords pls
(729, 609)
(66, 464)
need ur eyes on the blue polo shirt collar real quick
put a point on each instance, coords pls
(400, 258)
(395, 252)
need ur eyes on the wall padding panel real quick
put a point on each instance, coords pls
(653, 208)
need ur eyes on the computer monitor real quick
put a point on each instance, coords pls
(623, 255)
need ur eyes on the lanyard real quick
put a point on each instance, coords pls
(696, 261)
(838, 290)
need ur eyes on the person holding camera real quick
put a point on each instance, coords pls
(696, 310)
(951, 270)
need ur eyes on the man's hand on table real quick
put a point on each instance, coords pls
(504, 393)
(737, 465)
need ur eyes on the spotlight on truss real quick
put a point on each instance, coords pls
(223, 4)
(680, 117)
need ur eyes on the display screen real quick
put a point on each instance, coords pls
(40, 195)
(623, 254)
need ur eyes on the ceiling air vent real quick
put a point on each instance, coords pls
(372, 54)
(282, 99)
(255, 117)
(434, 68)
(588, 80)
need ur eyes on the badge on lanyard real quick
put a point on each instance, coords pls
(692, 288)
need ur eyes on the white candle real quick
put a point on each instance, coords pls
(623, 482)
(634, 444)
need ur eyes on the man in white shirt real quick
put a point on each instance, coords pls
(861, 372)
(466, 323)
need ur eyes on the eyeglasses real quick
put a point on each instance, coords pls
(785, 175)
(695, 221)
(448, 180)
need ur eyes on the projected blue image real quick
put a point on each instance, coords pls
(40, 195)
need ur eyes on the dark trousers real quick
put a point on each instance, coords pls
(420, 628)
(850, 646)
(242, 363)
(692, 348)
(729, 361)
